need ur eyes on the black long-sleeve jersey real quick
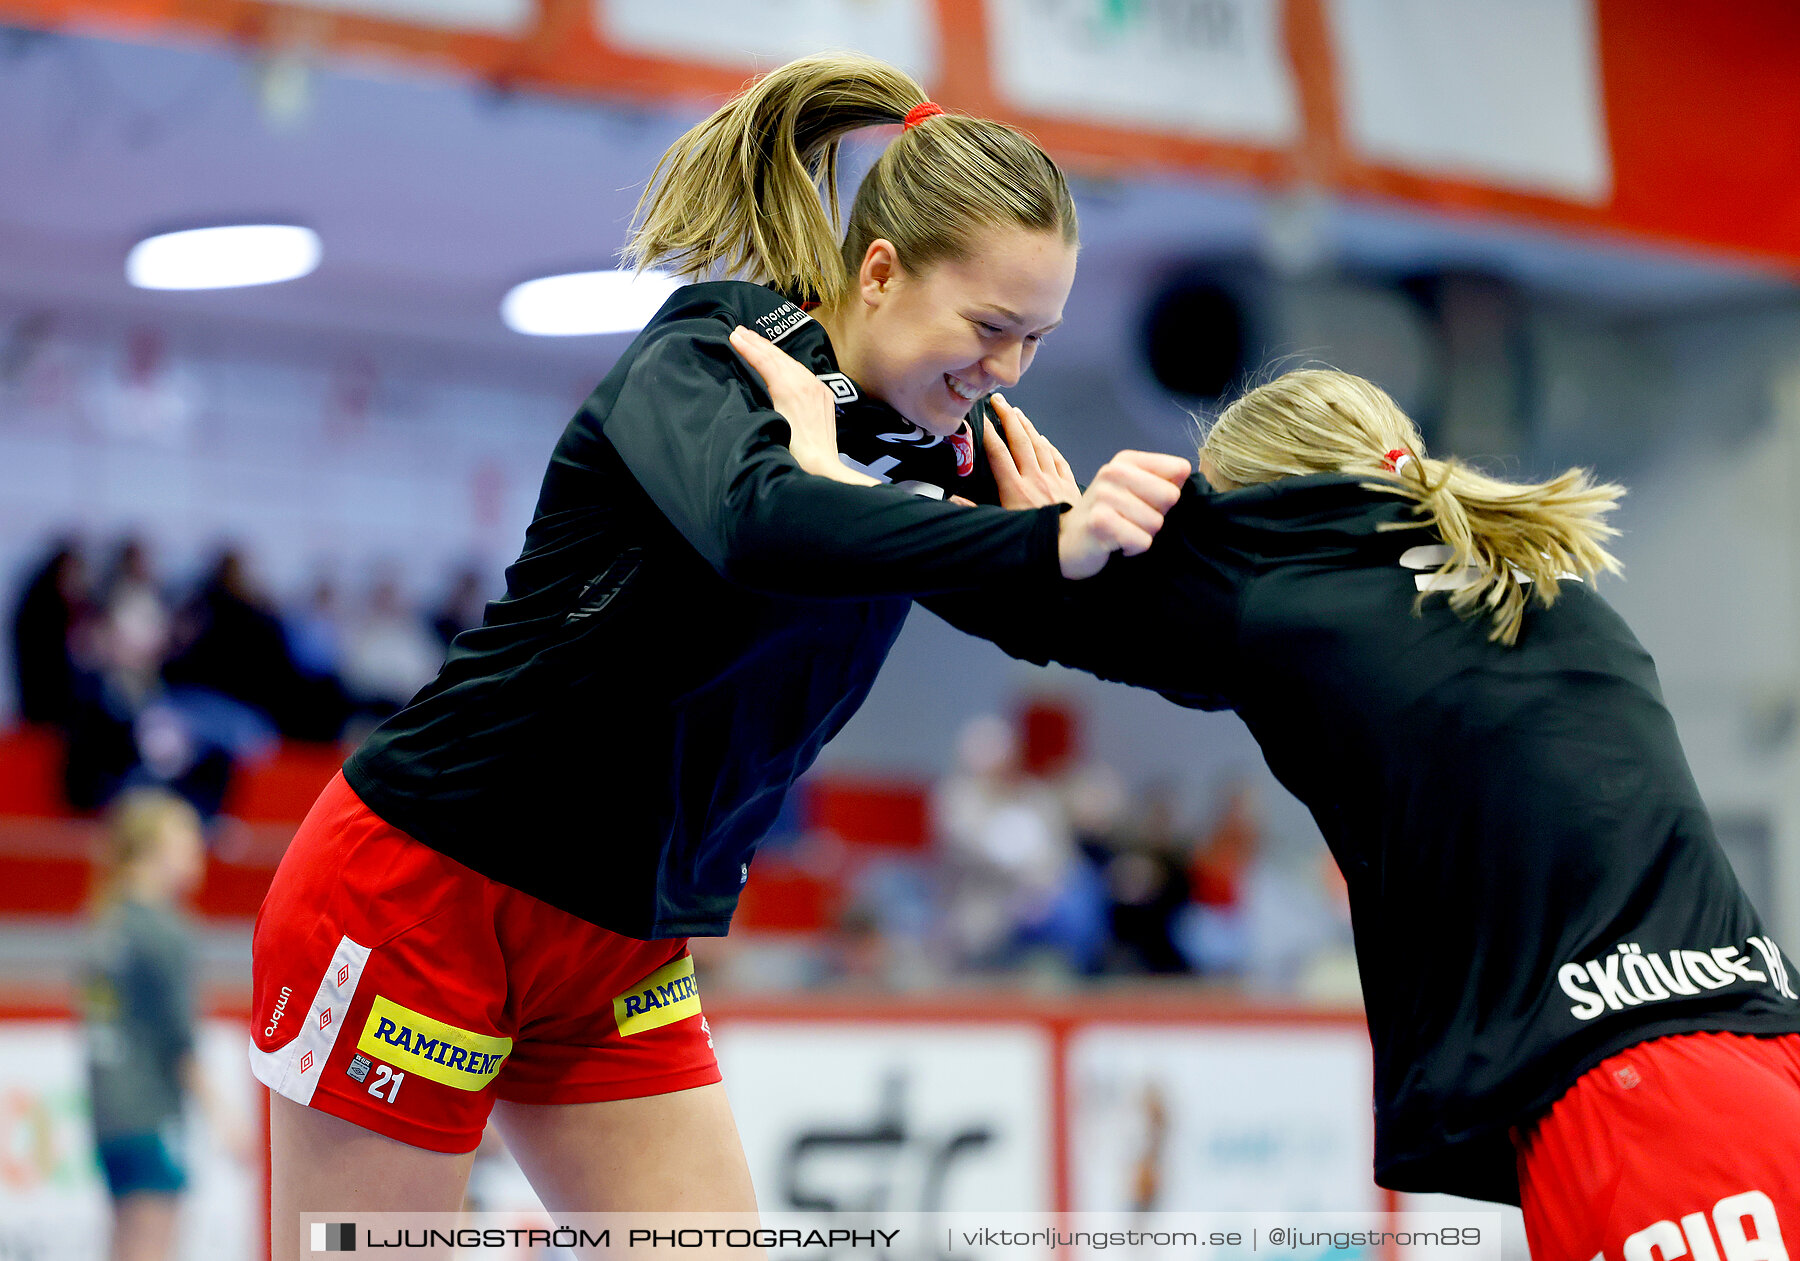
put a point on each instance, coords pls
(1534, 882)
(691, 619)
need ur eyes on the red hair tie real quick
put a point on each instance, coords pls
(1395, 459)
(920, 112)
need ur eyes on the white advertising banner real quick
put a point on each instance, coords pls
(902, 1117)
(1207, 68)
(53, 1204)
(1221, 1120)
(761, 34)
(488, 17)
(1505, 94)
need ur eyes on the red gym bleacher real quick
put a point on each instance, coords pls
(45, 846)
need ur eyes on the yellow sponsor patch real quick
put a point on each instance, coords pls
(665, 996)
(418, 1044)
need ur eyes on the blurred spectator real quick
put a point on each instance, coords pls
(1091, 793)
(883, 936)
(315, 642)
(1299, 942)
(315, 631)
(131, 576)
(860, 955)
(1092, 799)
(464, 606)
(1046, 738)
(389, 652)
(1018, 888)
(1215, 930)
(53, 604)
(1147, 884)
(139, 1020)
(128, 728)
(231, 643)
(1276, 921)
(130, 600)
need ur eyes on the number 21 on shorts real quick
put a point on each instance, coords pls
(386, 1078)
(384, 1085)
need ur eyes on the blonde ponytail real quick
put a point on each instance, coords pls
(751, 192)
(1503, 537)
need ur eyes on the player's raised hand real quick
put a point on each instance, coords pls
(1121, 511)
(1028, 470)
(803, 400)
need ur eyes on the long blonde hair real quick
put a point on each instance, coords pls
(752, 190)
(133, 830)
(1503, 536)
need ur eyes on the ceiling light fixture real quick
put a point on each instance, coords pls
(223, 258)
(584, 303)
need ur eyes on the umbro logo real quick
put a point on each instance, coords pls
(843, 389)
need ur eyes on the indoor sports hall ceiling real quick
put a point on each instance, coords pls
(433, 198)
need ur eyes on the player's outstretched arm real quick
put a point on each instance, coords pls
(1120, 512)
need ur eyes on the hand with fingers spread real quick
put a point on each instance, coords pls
(804, 401)
(1121, 511)
(1029, 471)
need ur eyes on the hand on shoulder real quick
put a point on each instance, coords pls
(804, 401)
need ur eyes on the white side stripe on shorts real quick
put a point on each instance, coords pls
(295, 1069)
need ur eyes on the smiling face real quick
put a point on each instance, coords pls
(929, 343)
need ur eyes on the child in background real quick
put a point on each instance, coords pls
(138, 998)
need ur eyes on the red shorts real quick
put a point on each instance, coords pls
(398, 989)
(1685, 1146)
